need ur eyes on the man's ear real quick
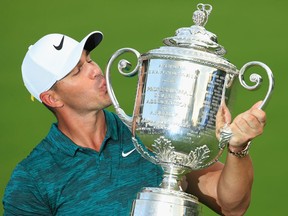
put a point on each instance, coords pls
(50, 99)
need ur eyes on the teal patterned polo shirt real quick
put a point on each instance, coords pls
(62, 178)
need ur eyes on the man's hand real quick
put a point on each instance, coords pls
(244, 127)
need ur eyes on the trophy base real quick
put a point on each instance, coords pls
(160, 201)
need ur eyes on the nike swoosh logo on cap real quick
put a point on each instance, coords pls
(59, 47)
(125, 154)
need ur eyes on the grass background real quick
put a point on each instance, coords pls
(249, 30)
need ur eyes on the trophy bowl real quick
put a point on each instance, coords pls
(181, 87)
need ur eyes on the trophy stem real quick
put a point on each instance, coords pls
(171, 182)
(172, 177)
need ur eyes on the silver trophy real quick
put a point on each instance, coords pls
(180, 89)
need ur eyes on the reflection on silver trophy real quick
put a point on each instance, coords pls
(180, 89)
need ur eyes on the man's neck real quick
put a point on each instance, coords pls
(87, 131)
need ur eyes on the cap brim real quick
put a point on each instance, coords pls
(92, 40)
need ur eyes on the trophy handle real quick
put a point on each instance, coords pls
(123, 65)
(225, 132)
(257, 79)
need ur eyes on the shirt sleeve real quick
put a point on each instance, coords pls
(22, 195)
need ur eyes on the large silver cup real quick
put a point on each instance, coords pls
(180, 89)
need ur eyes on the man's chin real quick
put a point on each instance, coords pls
(108, 104)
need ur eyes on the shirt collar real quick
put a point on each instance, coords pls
(61, 141)
(65, 144)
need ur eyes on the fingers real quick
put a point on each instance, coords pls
(226, 113)
(259, 114)
(247, 126)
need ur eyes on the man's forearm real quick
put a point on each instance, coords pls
(234, 186)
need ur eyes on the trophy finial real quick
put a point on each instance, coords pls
(200, 16)
(196, 36)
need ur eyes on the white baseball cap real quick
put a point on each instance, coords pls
(51, 58)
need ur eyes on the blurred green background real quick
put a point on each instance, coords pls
(249, 30)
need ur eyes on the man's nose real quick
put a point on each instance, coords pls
(93, 72)
(96, 75)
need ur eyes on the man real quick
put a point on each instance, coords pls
(79, 169)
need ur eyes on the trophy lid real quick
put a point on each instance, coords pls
(195, 44)
(196, 36)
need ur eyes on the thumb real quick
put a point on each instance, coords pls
(256, 105)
